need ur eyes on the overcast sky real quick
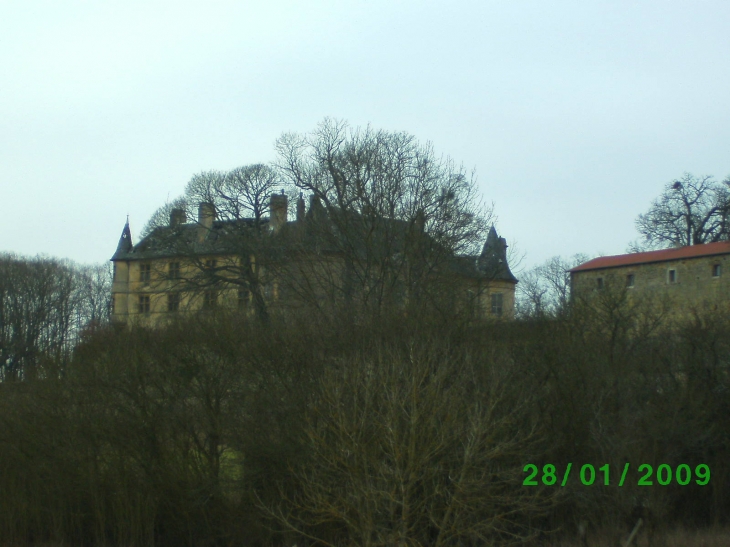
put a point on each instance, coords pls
(574, 114)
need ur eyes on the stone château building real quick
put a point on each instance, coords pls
(688, 278)
(322, 257)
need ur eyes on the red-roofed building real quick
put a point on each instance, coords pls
(691, 277)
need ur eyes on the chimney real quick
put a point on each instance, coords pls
(316, 209)
(206, 216)
(419, 223)
(177, 217)
(300, 208)
(277, 211)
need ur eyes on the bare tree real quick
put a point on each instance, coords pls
(394, 212)
(93, 295)
(245, 192)
(36, 315)
(545, 289)
(690, 211)
(161, 216)
(223, 246)
(420, 445)
(240, 193)
(389, 175)
(388, 224)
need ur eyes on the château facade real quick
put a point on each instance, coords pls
(320, 258)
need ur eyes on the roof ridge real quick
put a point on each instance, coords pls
(659, 255)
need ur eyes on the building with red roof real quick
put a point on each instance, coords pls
(691, 277)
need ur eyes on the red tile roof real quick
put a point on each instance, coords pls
(664, 255)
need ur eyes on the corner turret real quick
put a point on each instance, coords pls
(120, 280)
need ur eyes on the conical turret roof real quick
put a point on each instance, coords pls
(493, 260)
(125, 242)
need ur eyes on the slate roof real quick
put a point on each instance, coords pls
(664, 255)
(492, 263)
(125, 242)
(317, 233)
(225, 237)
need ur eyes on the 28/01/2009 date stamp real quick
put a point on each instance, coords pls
(588, 474)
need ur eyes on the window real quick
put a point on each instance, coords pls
(472, 304)
(244, 298)
(716, 270)
(173, 301)
(210, 299)
(210, 264)
(144, 304)
(672, 276)
(599, 283)
(630, 280)
(249, 263)
(174, 270)
(144, 272)
(497, 304)
(271, 290)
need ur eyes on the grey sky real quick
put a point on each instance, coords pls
(573, 113)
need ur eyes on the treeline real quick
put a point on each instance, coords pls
(220, 430)
(46, 305)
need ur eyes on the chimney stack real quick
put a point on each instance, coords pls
(206, 216)
(177, 217)
(316, 209)
(419, 223)
(278, 211)
(300, 208)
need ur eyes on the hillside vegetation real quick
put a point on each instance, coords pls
(395, 430)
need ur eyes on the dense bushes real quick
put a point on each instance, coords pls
(218, 430)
